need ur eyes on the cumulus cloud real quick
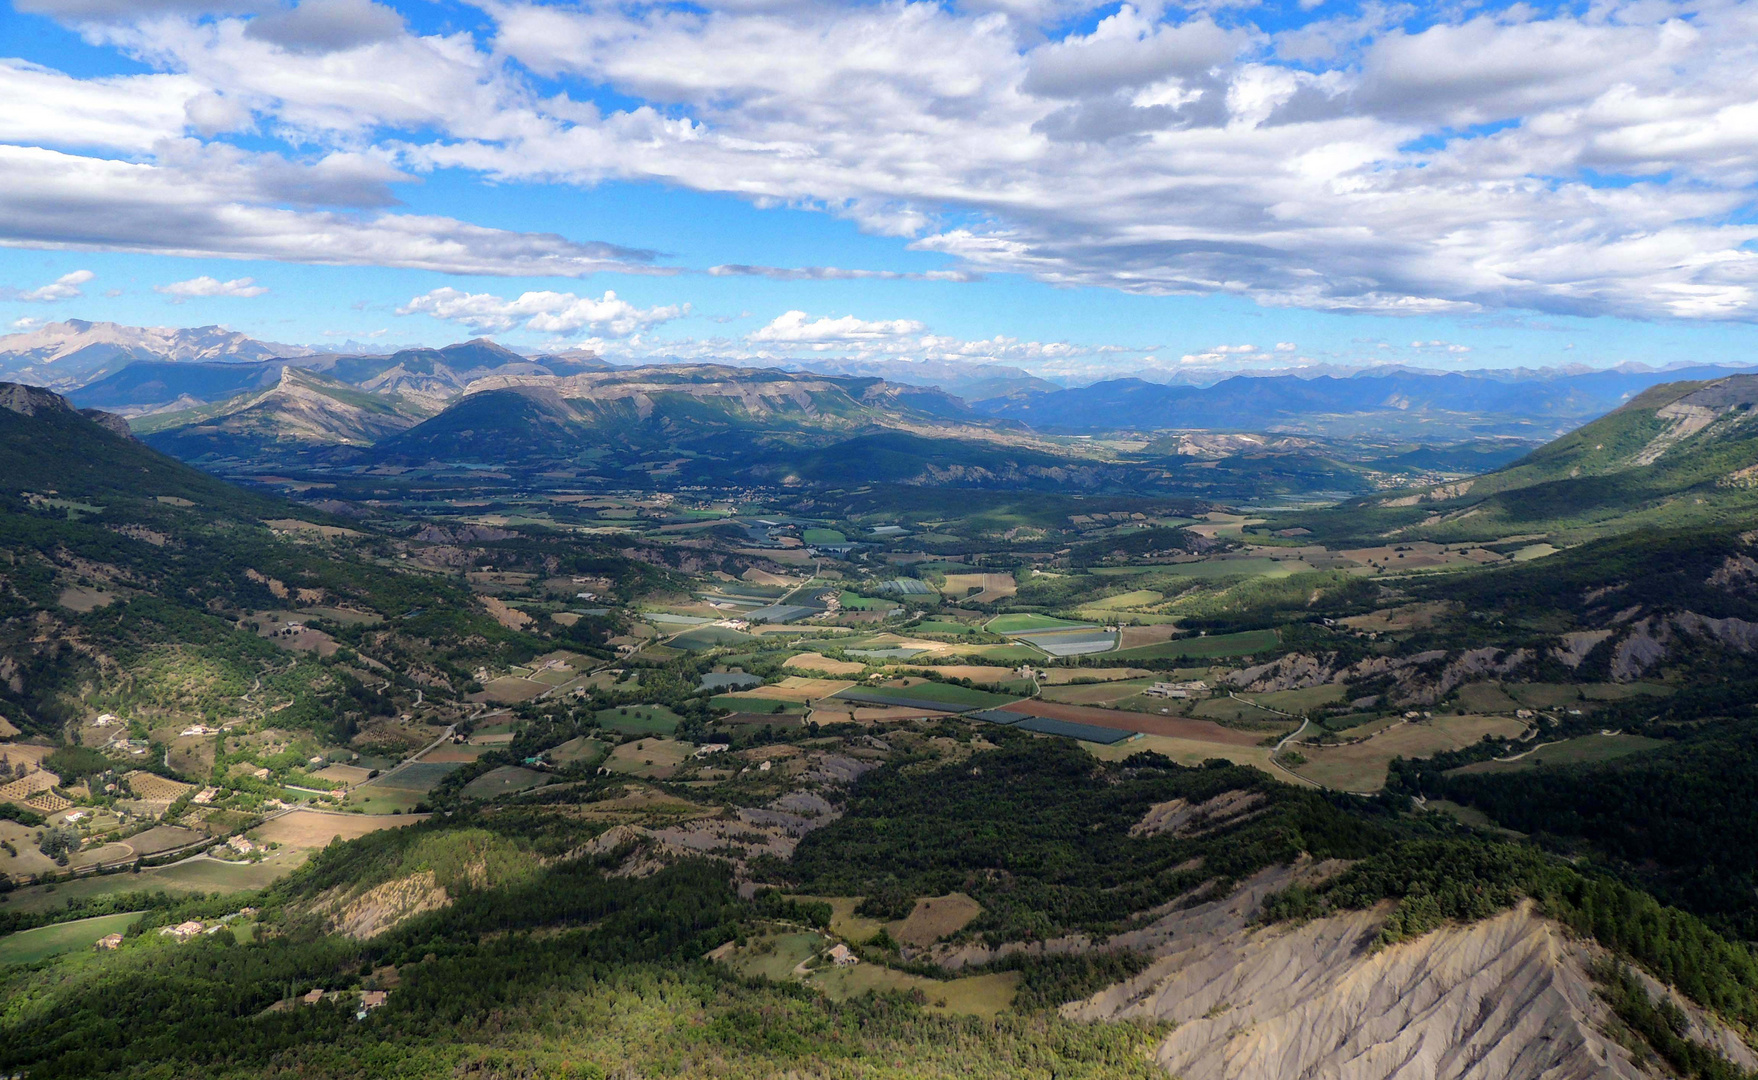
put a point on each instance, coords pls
(798, 328)
(65, 287)
(205, 286)
(556, 313)
(1398, 160)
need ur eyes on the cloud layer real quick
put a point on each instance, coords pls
(1585, 160)
(554, 313)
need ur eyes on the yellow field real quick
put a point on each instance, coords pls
(649, 757)
(982, 675)
(345, 775)
(794, 688)
(1059, 676)
(991, 587)
(1362, 767)
(311, 829)
(1188, 752)
(934, 917)
(812, 661)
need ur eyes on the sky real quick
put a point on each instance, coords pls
(1082, 191)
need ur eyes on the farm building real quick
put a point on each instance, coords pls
(1177, 689)
(840, 955)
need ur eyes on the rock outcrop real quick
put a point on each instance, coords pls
(1508, 998)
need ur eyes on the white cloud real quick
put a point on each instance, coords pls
(128, 112)
(206, 208)
(798, 328)
(1286, 346)
(543, 312)
(205, 286)
(1402, 160)
(65, 287)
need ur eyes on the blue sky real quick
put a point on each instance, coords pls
(1079, 190)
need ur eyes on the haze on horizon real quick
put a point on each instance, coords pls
(1079, 190)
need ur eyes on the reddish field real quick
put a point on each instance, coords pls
(449, 752)
(1177, 727)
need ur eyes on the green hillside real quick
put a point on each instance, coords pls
(1679, 455)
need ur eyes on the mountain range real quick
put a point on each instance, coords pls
(1400, 400)
(69, 354)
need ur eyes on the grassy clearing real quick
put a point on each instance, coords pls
(503, 781)
(30, 946)
(1097, 693)
(1362, 766)
(1303, 700)
(1211, 569)
(649, 758)
(985, 996)
(1238, 709)
(756, 704)
(777, 956)
(639, 720)
(1623, 691)
(812, 661)
(191, 876)
(1485, 698)
(378, 799)
(1586, 750)
(312, 829)
(1138, 598)
(1187, 752)
(934, 917)
(1243, 643)
(844, 923)
(942, 626)
(577, 749)
(1544, 695)
(823, 536)
(703, 638)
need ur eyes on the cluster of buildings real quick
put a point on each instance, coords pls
(1177, 689)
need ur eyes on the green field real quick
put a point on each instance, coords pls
(29, 946)
(823, 536)
(1585, 750)
(1222, 568)
(936, 626)
(502, 781)
(639, 720)
(193, 875)
(703, 638)
(756, 705)
(1243, 643)
(857, 602)
(999, 654)
(1027, 622)
(1485, 698)
(380, 799)
(951, 695)
(1544, 695)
